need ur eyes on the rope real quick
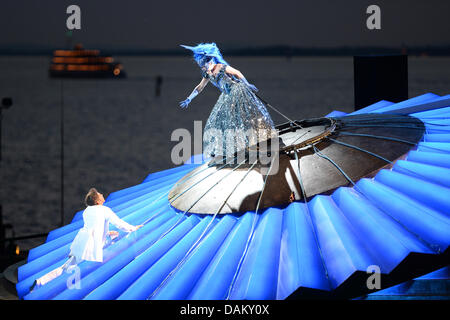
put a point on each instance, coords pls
(251, 235)
(383, 126)
(200, 238)
(184, 213)
(344, 133)
(171, 200)
(386, 138)
(320, 154)
(182, 180)
(292, 143)
(360, 149)
(310, 218)
(384, 119)
(431, 246)
(275, 109)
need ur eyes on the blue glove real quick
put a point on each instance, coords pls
(185, 103)
(251, 86)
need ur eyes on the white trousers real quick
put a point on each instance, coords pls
(71, 262)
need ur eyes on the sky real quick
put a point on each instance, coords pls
(163, 25)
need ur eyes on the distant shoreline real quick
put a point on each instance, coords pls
(280, 51)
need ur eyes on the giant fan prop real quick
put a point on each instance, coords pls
(351, 191)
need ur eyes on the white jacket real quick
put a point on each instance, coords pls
(88, 243)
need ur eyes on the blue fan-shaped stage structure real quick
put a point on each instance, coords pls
(392, 213)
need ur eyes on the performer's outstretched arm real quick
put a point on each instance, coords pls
(239, 75)
(119, 223)
(194, 93)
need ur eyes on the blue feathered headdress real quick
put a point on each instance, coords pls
(203, 50)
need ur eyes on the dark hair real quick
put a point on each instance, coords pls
(91, 197)
(202, 59)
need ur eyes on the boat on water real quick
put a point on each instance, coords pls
(84, 63)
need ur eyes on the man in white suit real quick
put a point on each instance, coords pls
(89, 241)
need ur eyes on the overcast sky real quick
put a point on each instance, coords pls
(149, 24)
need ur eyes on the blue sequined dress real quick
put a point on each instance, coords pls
(238, 120)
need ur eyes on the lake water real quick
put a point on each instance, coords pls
(117, 131)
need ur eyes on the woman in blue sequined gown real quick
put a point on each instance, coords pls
(239, 119)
